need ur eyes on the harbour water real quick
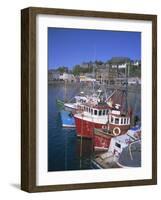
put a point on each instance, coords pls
(65, 150)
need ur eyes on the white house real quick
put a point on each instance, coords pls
(120, 66)
(67, 77)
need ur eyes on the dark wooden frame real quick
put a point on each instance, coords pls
(28, 98)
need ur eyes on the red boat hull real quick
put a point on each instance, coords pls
(86, 129)
(101, 142)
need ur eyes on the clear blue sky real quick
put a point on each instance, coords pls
(68, 47)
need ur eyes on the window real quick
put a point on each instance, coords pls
(95, 112)
(121, 121)
(104, 112)
(112, 119)
(116, 120)
(100, 112)
(118, 145)
(124, 120)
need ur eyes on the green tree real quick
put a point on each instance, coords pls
(62, 69)
(76, 69)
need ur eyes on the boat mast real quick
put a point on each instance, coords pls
(94, 60)
(126, 88)
(65, 91)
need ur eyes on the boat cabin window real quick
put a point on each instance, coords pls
(118, 145)
(116, 120)
(95, 112)
(100, 112)
(92, 111)
(104, 112)
(119, 120)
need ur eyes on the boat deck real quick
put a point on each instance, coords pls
(103, 133)
(105, 160)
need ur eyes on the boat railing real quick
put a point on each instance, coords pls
(130, 148)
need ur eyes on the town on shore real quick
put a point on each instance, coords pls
(114, 71)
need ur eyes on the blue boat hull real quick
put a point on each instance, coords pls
(67, 119)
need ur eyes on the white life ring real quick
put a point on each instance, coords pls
(116, 131)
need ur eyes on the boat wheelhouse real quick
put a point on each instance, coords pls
(74, 105)
(90, 116)
(100, 116)
(117, 124)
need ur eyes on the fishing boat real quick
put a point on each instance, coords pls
(67, 109)
(84, 96)
(78, 100)
(101, 119)
(73, 103)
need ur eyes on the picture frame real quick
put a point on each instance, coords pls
(29, 96)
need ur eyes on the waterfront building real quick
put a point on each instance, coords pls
(84, 78)
(67, 77)
(106, 74)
